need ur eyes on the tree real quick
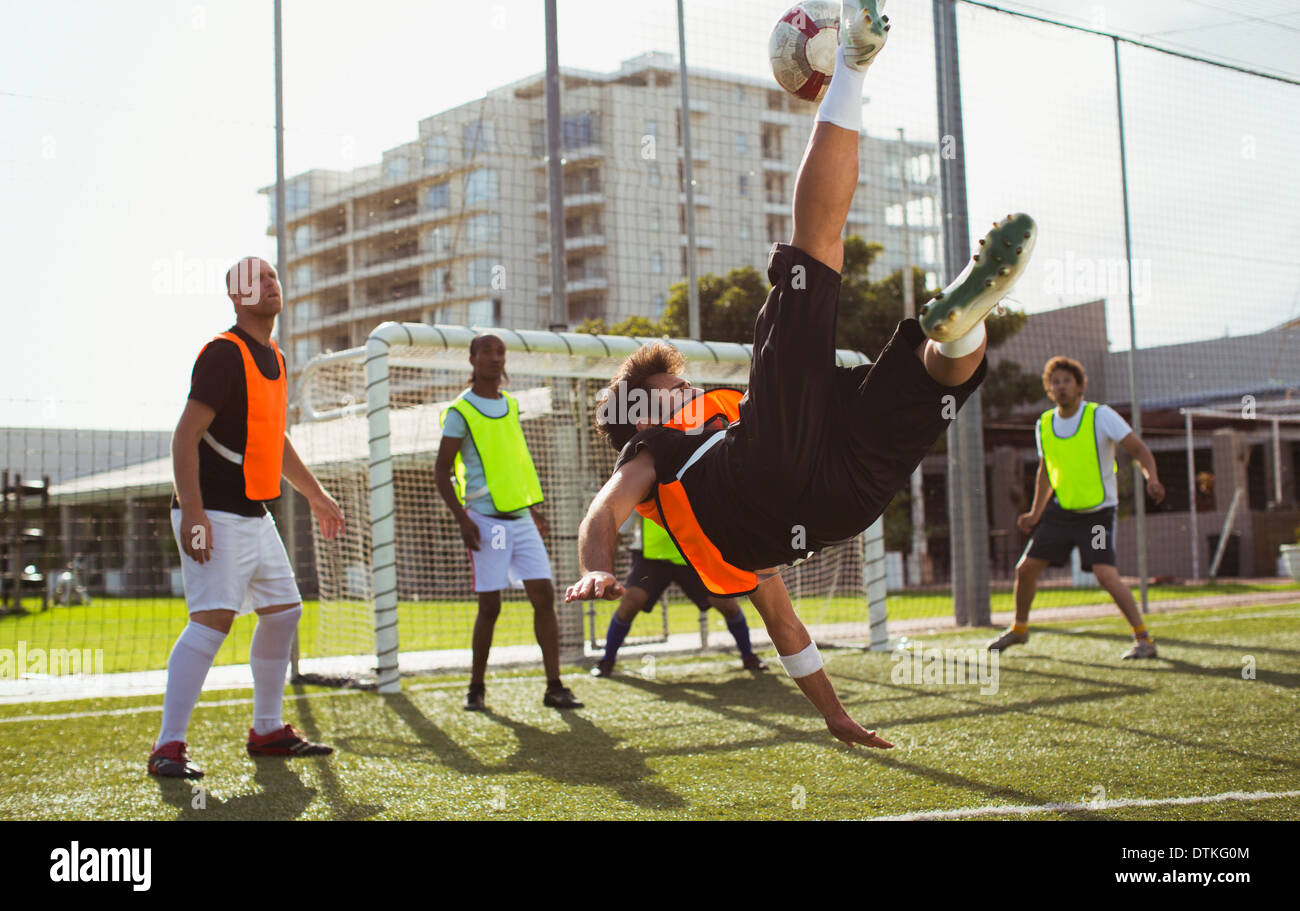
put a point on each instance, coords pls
(728, 306)
(638, 326)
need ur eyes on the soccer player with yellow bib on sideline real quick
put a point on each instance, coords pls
(1075, 495)
(494, 499)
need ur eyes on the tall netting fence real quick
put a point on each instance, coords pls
(441, 213)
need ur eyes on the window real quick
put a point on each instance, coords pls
(303, 312)
(435, 239)
(742, 144)
(297, 196)
(744, 230)
(438, 196)
(929, 249)
(303, 349)
(396, 168)
(478, 137)
(481, 186)
(481, 272)
(652, 128)
(657, 263)
(437, 281)
(894, 214)
(302, 237)
(660, 303)
(483, 228)
(579, 130)
(435, 152)
(744, 185)
(654, 178)
(655, 217)
(480, 312)
(302, 276)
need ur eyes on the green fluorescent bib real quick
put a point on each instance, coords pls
(1073, 463)
(656, 545)
(511, 475)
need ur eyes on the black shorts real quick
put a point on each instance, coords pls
(654, 576)
(1060, 530)
(835, 444)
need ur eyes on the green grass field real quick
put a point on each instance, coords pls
(1069, 723)
(138, 633)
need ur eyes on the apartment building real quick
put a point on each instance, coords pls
(453, 227)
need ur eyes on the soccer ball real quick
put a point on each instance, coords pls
(802, 48)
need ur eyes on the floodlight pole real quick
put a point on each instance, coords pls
(287, 511)
(967, 511)
(555, 173)
(1139, 485)
(692, 287)
(917, 575)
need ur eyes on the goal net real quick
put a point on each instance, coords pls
(396, 589)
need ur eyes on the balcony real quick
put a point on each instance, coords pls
(581, 242)
(575, 200)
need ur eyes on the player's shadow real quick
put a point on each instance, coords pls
(734, 697)
(586, 756)
(344, 808)
(1163, 662)
(282, 796)
(583, 755)
(1232, 648)
(750, 700)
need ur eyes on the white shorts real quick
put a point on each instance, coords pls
(510, 552)
(248, 567)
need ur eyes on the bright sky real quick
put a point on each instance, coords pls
(134, 136)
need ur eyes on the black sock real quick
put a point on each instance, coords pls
(477, 688)
(554, 684)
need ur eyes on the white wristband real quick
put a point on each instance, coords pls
(809, 661)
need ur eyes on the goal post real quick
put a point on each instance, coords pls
(398, 586)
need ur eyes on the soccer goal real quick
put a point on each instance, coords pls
(397, 584)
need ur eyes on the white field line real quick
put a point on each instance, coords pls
(1021, 810)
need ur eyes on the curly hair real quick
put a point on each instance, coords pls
(615, 403)
(1067, 364)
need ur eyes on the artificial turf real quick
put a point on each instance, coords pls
(701, 739)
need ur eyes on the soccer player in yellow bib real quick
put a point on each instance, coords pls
(494, 499)
(656, 564)
(1075, 495)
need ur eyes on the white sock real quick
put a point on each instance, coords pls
(960, 347)
(187, 668)
(842, 104)
(268, 656)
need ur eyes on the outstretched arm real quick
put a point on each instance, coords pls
(790, 637)
(598, 533)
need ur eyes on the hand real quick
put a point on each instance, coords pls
(594, 585)
(543, 527)
(468, 531)
(1026, 522)
(1155, 489)
(196, 535)
(328, 514)
(846, 729)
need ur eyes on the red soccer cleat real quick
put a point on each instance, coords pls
(284, 742)
(172, 760)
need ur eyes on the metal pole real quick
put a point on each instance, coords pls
(1191, 496)
(1277, 465)
(555, 174)
(966, 495)
(288, 514)
(1139, 484)
(692, 286)
(917, 491)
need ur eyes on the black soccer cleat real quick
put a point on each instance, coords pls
(752, 662)
(560, 697)
(604, 668)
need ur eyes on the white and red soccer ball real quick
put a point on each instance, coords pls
(802, 48)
